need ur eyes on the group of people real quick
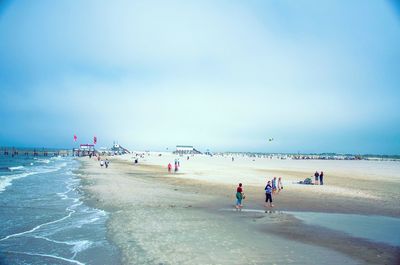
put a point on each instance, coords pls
(319, 177)
(273, 186)
(104, 163)
(176, 168)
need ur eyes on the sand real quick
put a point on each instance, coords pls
(188, 217)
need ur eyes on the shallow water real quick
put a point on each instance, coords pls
(175, 235)
(44, 220)
(374, 228)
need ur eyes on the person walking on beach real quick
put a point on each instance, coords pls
(280, 186)
(274, 185)
(316, 175)
(268, 194)
(169, 167)
(239, 197)
(106, 163)
(176, 167)
(102, 163)
(321, 178)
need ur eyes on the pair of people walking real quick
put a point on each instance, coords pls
(276, 185)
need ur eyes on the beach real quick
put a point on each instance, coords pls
(188, 217)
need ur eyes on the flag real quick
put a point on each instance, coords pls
(95, 140)
(75, 138)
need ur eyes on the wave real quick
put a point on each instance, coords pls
(57, 158)
(16, 168)
(80, 246)
(69, 209)
(45, 161)
(6, 181)
(48, 256)
(77, 245)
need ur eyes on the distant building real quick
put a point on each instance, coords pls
(84, 150)
(119, 150)
(186, 149)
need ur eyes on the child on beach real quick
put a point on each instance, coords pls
(239, 197)
(268, 194)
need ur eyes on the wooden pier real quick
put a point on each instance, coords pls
(12, 152)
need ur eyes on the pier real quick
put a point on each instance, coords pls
(46, 152)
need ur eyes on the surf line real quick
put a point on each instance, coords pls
(41, 225)
(48, 256)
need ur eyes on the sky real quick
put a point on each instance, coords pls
(317, 76)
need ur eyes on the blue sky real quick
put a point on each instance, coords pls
(317, 76)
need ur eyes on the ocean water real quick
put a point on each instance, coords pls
(43, 219)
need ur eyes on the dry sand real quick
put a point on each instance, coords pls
(185, 218)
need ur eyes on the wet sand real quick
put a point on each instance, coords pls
(186, 218)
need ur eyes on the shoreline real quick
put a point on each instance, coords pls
(182, 195)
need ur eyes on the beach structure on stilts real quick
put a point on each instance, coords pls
(186, 150)
(117, 149)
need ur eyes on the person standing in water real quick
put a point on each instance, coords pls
(321, 178)
(239, 197)
(268, 194)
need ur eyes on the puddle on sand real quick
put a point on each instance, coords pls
(371, 227)
(375, 228)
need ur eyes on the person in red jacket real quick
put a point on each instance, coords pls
(239, 197)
